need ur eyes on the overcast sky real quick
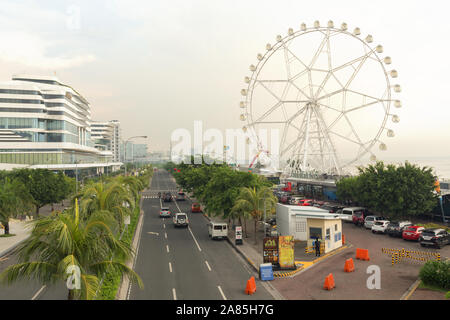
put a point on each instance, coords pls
(159, 65)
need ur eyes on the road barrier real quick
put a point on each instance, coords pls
(349, 265)
(251, 286)
(398, 254)
(329, 282)
(362, 254)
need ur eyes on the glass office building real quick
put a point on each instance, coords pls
(44, 121)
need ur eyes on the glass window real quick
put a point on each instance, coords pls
(315, 233)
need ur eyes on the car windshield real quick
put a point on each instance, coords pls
(428, 232)
(379, 223)
(164, 209)
(346, 212)
(181, 216)
(411, 229)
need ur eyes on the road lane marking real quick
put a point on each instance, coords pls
(207, 264)
(199, 249)
(38, 293)
(221, 292)
(170, 267)
(164, 226)
(153, 233)
(174, 294)
(165, 235)
(167, 248)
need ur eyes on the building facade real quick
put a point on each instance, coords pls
(44, 121)
(106, 137)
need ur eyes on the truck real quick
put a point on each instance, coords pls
(217, 230)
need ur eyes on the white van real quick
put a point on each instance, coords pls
(217, 230)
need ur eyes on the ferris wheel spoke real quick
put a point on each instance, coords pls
(328, 107)
(352, 62)
(319, 50)
(322, 85)
(267, 113)
(286, 58)
(364, 95)
(363, 106)
(287, 50)
(341, 114)
(331, 94)
(270, 91)
(299, 90)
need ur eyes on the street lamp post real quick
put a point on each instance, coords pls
(125, 151)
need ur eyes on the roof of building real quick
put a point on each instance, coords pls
(310, 212)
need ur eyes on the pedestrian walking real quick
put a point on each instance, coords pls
(317, 245)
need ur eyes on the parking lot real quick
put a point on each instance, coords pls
(395, 280)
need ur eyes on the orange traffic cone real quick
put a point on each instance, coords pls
(349, 266)
(251, 286)
(329, 282)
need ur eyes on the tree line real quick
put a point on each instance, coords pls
(226, 192)
(84, 242)
(396, 191)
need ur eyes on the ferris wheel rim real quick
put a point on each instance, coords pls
(283, 42)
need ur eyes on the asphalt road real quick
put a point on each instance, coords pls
(184, 263)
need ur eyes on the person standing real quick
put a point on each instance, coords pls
(317, 245)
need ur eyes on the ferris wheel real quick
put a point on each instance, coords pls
(328, 93)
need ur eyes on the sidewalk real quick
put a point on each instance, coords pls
(21, 229)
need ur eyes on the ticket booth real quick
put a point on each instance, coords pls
(306, 223)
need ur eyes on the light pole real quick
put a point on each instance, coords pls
(125, 150)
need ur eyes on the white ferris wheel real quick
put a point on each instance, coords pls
(328, 92)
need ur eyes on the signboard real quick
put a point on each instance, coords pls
(127, 220)
(286, 251)
(238, 234)
(266, 271)
(270, 250)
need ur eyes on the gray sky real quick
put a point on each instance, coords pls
(159, 65)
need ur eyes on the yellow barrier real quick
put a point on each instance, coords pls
(398, 254)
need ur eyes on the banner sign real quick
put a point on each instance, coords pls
(286, 251)
(270, 250)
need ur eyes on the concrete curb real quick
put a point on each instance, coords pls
(410, 290)
(122, 291)
(14, 246)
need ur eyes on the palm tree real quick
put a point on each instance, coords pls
(110, 197)
(14, 200)
(251, 201)
(133, 184)
(64, 241)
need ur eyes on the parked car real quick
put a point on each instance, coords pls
(285, 198)
(295, 200)
(331, 208)
(180, 220)
(306, 202)
(181, 196)
(196, 207)
(345, 215)
(164, 212)
(272, 221)
(380, 226)
(434, 237)
(370, 220)
(395, 228)
(412, 233)
(217, 230)
(167, 197)
(358, 214)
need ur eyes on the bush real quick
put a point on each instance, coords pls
(436, 273)
(447, 295)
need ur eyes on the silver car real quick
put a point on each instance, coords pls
(369, 221)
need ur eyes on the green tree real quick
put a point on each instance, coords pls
(14, 200)
(62, 240)
(252, 201)
(42, 184)
(394, 190)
